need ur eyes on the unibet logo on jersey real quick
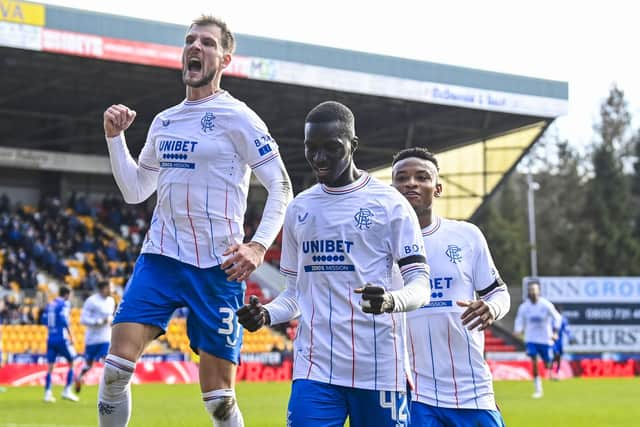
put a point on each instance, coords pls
(328, 252)
(176, 150)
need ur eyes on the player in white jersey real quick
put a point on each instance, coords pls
(96, 316)
(453, 384)
(198, 157)
(540, 321)
(343, 237)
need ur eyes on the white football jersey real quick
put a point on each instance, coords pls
(202, 153)
(334, 241)
(447, 359)
(537, 321)
(94, 311)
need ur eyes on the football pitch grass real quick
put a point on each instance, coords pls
(569, 403)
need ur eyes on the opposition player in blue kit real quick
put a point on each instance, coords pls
(564, 333)
(198, 158)
(343, 241)
(59, 342)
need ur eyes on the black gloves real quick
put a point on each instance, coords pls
(253, 316)
(375, 299)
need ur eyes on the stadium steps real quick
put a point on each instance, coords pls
(498, 339)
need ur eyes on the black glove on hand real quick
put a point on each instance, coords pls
(375, 299)
(253, 316)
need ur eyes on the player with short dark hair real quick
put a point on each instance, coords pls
(59, 341)
(198, 157)
(453, 385)
(96, 316)
(539, 320)
(349, 234)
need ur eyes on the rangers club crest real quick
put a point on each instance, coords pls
(363, 219)
(207, 122)
(454, 253)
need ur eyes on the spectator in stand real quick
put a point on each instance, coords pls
(10, 314)
(5, 205)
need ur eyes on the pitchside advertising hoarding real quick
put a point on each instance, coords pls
(603, 312)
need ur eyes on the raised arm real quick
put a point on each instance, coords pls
(136, 181)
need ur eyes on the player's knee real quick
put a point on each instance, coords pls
(222, 408)
(115, 381)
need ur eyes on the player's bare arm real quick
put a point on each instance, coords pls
(244, 259)
(117, 119)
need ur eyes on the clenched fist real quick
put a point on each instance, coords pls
(375, 299)
(117, 119)
(253, 316)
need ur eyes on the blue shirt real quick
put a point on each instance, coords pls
(562, 331)
(56, 318)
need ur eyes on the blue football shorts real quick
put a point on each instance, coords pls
(558, 348)
(159, 285)
(93, 352)
(424, 415)
(544, 350)
(317, 404)
(60, 348)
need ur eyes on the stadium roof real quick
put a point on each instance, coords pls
(62, 67)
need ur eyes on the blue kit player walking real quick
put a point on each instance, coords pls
(344, 240)
(59, 341)
(564, 333)
(198, 158)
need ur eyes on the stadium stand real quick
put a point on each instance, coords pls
(80, 245)
(496, 344)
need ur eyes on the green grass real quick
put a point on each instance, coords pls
(576, 402)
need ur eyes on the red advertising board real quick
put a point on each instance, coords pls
(146, 372)
(18, 374)
(91, 46)
(521, 370)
